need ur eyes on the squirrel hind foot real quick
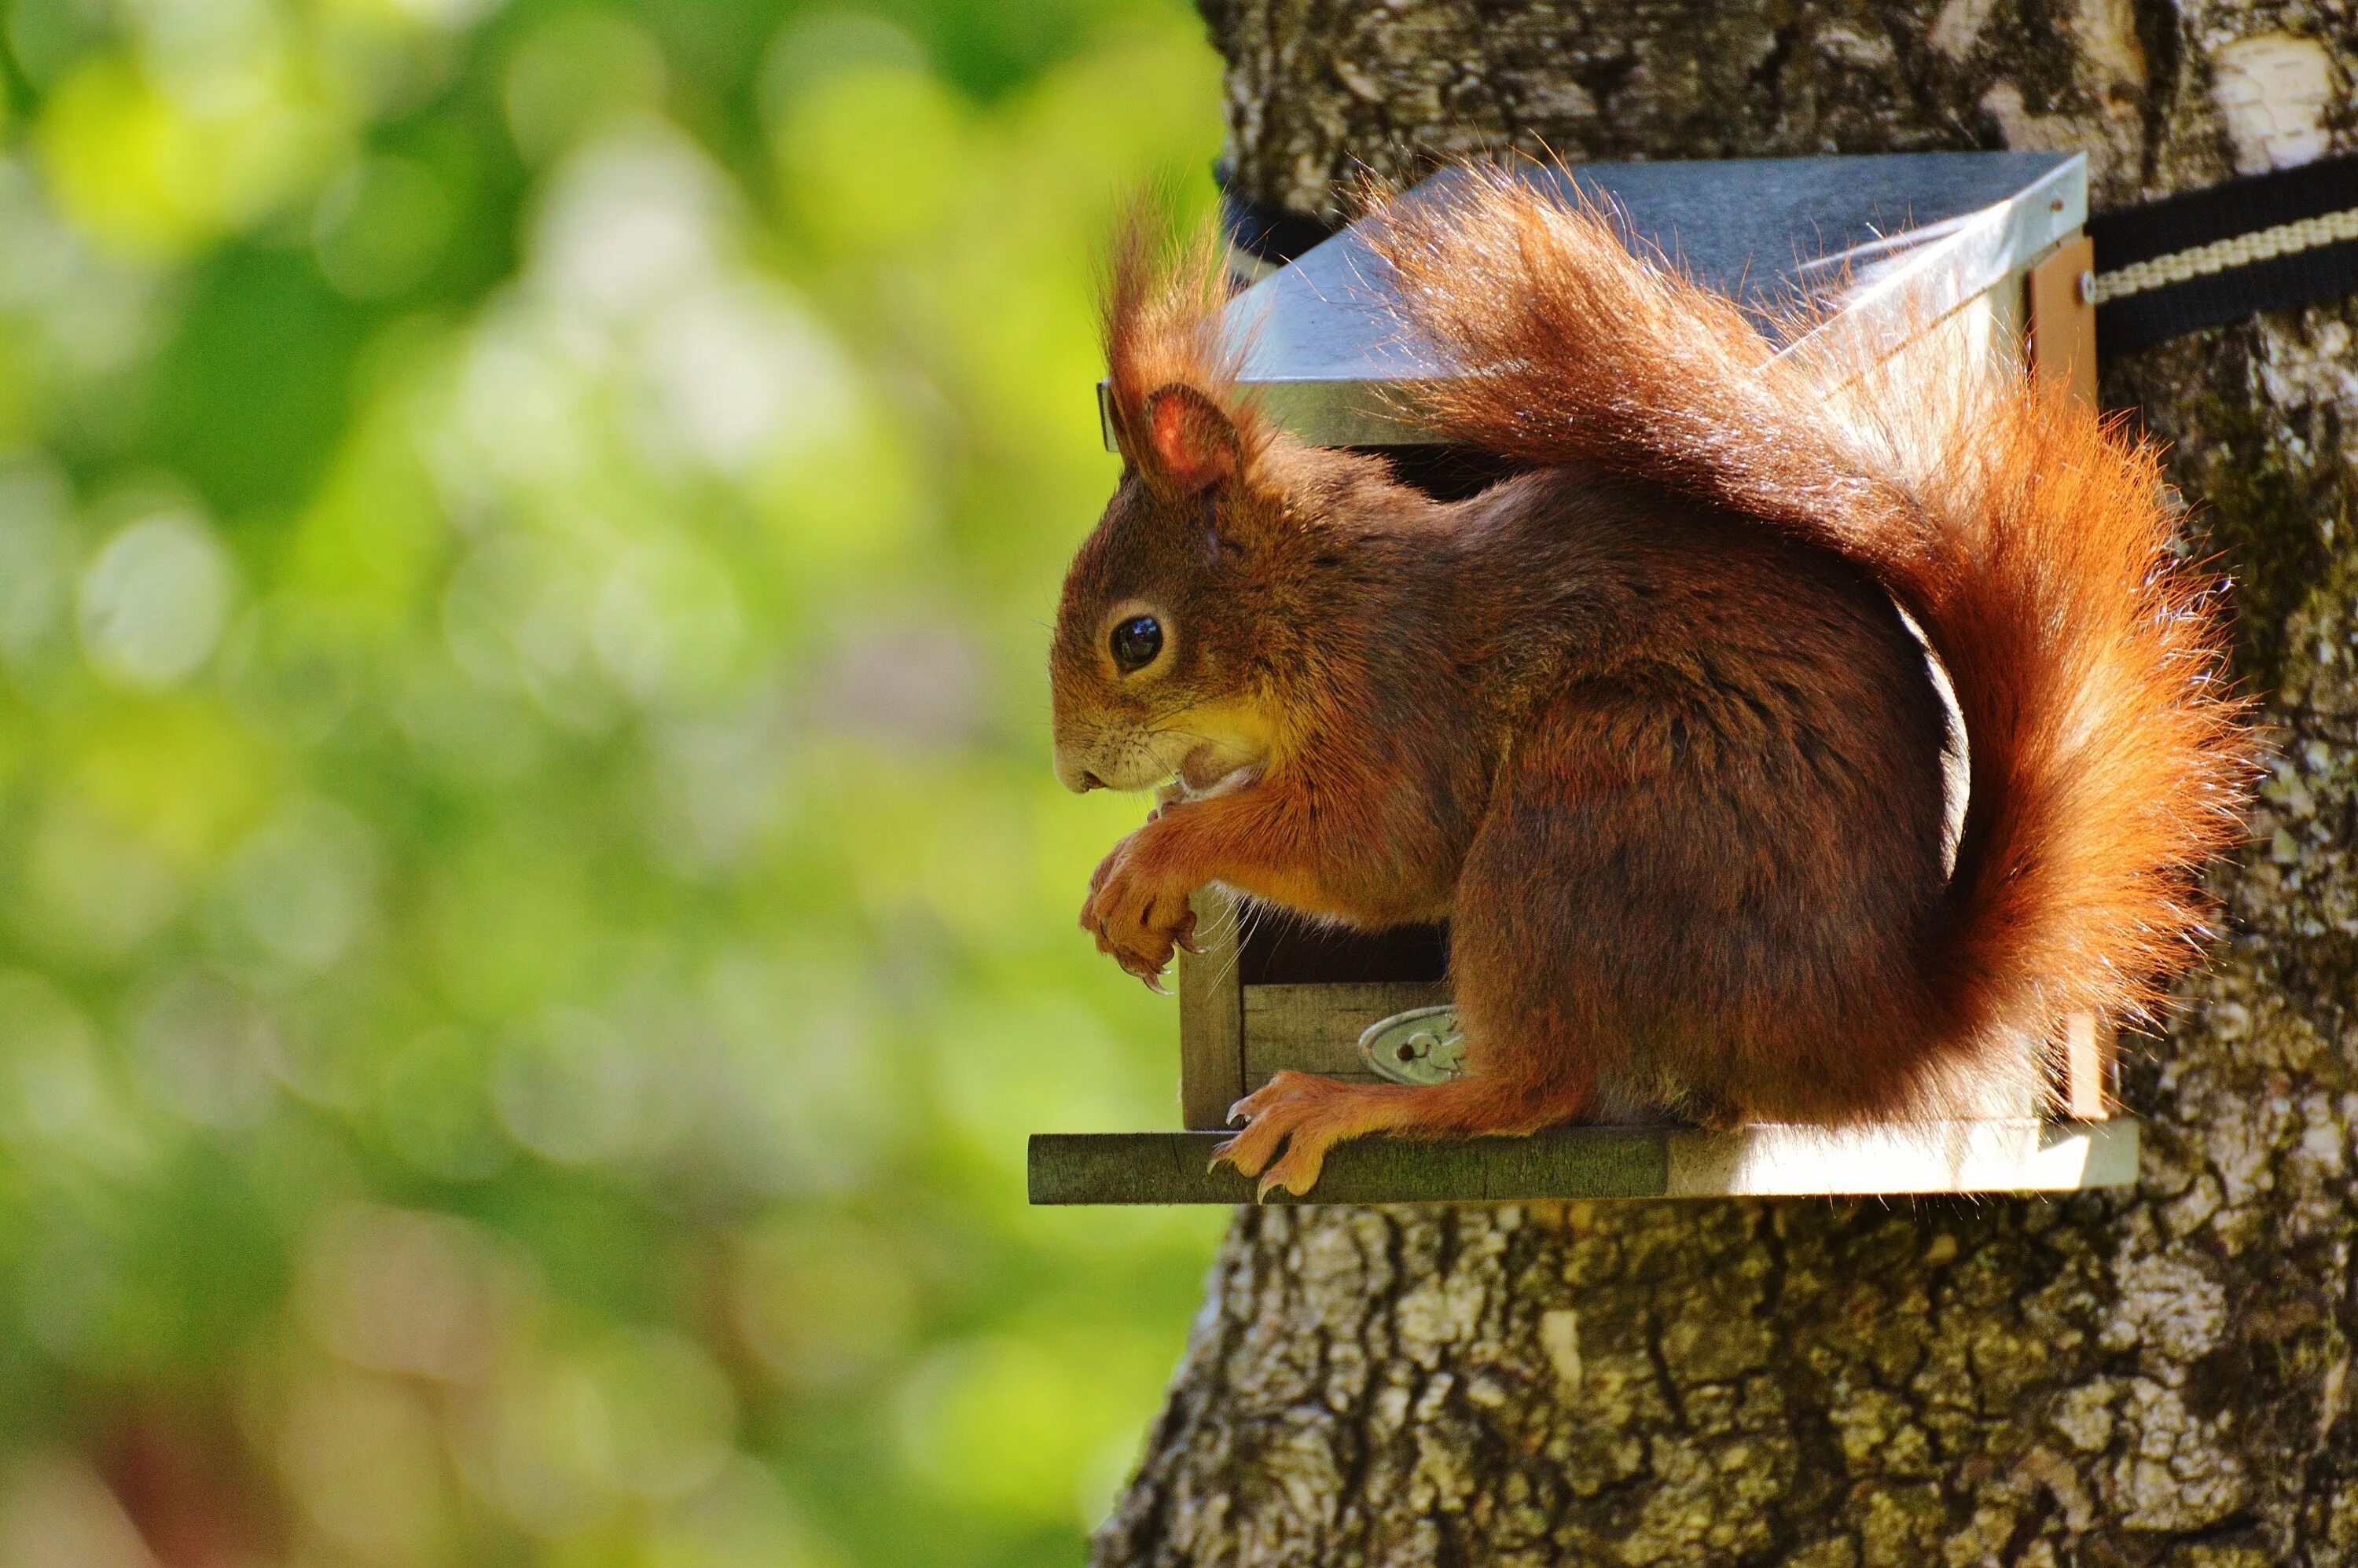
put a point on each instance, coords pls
(1291, 1122)
(1295, 1119)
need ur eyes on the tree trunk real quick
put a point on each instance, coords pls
(2159, 1376)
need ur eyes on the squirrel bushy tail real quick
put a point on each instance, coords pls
(2108, 756)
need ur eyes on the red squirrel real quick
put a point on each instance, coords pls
(1645, 722)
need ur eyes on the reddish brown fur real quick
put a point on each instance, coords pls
(1644, 724)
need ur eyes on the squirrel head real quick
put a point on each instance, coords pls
(1156, 642)
(1159, 633)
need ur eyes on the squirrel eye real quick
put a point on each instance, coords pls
(1136, 641)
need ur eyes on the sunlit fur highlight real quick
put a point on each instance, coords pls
(1160, 319)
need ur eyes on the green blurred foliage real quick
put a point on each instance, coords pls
(538, 918)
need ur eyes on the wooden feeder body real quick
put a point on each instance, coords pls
(1933, 253)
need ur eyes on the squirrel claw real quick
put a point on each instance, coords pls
(1276, 1176)
(1143, 970)
(1261, 1188)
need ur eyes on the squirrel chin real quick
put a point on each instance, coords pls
(1204, 772)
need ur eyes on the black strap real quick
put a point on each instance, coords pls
(1272, 233)
(2180, 227)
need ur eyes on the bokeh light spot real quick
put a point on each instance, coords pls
(380, 227)
(154, 600)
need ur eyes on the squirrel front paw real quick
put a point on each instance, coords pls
(1137, 915)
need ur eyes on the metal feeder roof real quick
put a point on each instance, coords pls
(1933, 230)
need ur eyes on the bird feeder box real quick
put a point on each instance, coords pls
(1936, 254)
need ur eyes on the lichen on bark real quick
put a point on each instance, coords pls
(2161, 1376)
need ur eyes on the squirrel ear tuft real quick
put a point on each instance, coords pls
(1190, 443)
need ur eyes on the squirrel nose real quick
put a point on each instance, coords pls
(1072, 776)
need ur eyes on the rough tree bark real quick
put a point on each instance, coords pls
(2160, 1376)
